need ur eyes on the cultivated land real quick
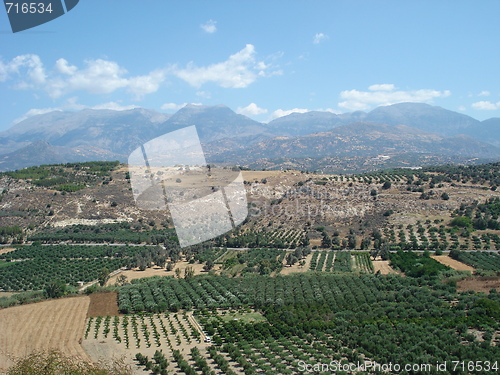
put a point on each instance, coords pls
(325, 266)
(383, 266)
(56, 324)
(452, 263)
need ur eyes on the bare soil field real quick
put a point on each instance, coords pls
(157, 271)
(452, 263)
(296, 267)
(5, 250)
(383, 266)
(479, 284)
(102, 304)
(56, 324)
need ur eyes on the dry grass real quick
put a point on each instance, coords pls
(5, 250)
(296, 267)
(157, 271)
(56, 324)
(452, 263)
(383, 266)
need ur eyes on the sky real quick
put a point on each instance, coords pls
(263, 59)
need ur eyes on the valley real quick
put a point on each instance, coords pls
(324, 266)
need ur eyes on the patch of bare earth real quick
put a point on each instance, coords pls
(286, 270)
(479, 284)
(55, 324)
(5, 250)
(157, 271)
(452, 263)
(383, 266)
(103, 304)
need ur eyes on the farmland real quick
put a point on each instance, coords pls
(292, 325)
(356, 281)
(56, 324)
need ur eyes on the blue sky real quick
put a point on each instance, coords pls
(261, 58)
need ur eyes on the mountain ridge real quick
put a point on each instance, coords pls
(228, 137)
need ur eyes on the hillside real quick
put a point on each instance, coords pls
(340, 244)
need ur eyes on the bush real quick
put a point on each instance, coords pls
(462, 222)
(56, 363)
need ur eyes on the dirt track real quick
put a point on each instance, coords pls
(56, 324)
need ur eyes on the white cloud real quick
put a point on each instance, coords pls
(382, 87)
(204, 94)
(115, 106)
(34, 112)
(484, 93)
(385, 94)
(72, 105)
(462, 108)
(286, 112)
(63, 67)
(209, 26)
(172, 106)
(148, 84)
(97, 77)
(251, 110)
(486, 106)
(319, 37)
(24, 66)
(238, 71)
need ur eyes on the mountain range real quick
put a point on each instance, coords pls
(396, 135)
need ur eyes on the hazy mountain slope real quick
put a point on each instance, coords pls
(486, 131)
(366, 140)
(42, 152)
(228, 137)
(422, 116)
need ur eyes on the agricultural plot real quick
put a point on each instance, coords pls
(478, 259)
(341, 261)
(32, 267)
(55, 324)
(202, 292)
(304, 318)
(415, 265)
(145, 334)
(362, 262)
(261, 261)
(276, 238)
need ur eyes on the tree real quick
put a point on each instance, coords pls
(461, 221)
(445, 196)
(55, 289)
(326, 241)
(291, 259)
(122, 280)
(188, 272)
(373, 192)
(209, 265)
(387, 185)
(103, 276)
(178, 273)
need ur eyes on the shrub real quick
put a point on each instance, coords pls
(56, 363)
